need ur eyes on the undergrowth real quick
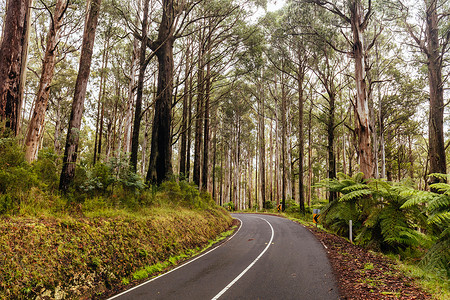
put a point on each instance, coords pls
(97, 236)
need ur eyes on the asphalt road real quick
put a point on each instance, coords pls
(268, 258)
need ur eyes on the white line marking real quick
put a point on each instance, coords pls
(249, 266)
(185, 264)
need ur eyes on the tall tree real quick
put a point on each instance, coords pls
(73, 132)
(13, 51)
(357, 19)
(160, 167)
(435, 47)
(35, 128)
(138, 106)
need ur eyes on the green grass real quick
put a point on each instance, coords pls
(439, 287)
(99, 249)
(155, 269)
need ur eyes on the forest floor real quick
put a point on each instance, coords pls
(362, 274)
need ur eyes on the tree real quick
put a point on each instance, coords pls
(160, 167)
(138, 106)
(73, 132)
(13, 52)
(35, 128)
(358, 20)
(435, 47)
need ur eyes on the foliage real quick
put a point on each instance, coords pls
(82, 256)
(375, 207)
(436, 205)
(393, 217)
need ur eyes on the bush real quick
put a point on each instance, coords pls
(47, 168)
(184, 194)
(269, 205)
(229, 206)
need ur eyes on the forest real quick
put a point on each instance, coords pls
(341, 105)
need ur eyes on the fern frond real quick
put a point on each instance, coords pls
(439, 203)
(359, 177)
(341, 176)
(440, 219)
(354, 187)
(443, 188)
(439, 176)
(379, 184)
(373, 217)
(355, 195)
(417, 197)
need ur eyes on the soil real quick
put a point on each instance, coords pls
(362, 274)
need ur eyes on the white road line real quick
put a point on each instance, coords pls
(249, 266)
(187, 263)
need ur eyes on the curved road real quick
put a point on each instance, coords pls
(268, 258)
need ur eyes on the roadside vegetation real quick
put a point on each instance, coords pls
(406, 224)
(108, 231)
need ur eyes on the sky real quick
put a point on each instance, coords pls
(273, 5)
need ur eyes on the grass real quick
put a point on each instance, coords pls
(155, 269)
(95, 251)
(436, 285)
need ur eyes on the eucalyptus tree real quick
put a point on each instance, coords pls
(73, 132)
(354, 17)
(432, 38)
(13, 56)
(36, 126)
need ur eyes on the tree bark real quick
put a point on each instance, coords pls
(130, 103)
(13, 50)
(283, 144)
(362, 119)
(301, 142)
(73, 132)
(199, 115)
(35, 128)
(262, 145)
(160, 167)
(184, 121)
(206, 138)
(436, 119)
(140, 89)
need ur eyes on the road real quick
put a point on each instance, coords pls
(268, 258)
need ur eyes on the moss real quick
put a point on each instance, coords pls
(86, 254)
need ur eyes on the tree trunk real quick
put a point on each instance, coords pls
(206, 139)
(130, 103)
(301, 153)
(189, 132)
(310, 154)
(160, 167)
(436, 119)
(58, 127)
(198, 120)
(73, 132)
(140, 89)
(35, 127)
(262, 146)
(362, 119)
(12, 63)
(283, 144)
(184, 121)
(330, 146)
(101, 107)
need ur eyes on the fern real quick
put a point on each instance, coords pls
(355, 195)
(442, 188)
(354, 187)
